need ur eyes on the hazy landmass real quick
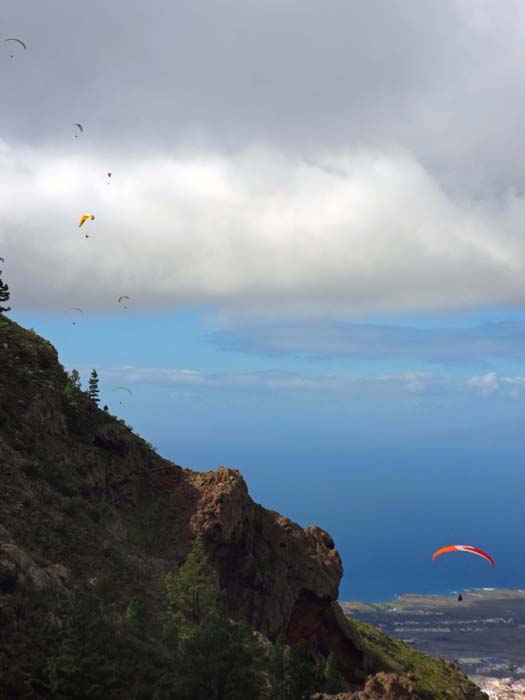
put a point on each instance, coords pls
(483, 634)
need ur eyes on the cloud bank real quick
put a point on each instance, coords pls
(357, 232)
(414, 383)
(463, 345)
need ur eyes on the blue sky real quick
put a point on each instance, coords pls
(317, 212)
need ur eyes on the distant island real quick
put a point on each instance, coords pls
(484, 634)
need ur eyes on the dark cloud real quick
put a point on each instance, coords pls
(337, 157)
(324, 340)
(442, 79)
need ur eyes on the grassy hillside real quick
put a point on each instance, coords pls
(434, 679)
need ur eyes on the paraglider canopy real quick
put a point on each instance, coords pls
(80, 128)
(75, 308)
(463, 548)
(18, 41)
(122, 388)
(85, 217)
(123, 296)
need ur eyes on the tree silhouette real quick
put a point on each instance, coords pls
(93, 387)
(4, 295)
(75, 378)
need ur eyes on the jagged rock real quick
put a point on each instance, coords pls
(16, 563)
(276, 574)
(388, 686)
(382, 686)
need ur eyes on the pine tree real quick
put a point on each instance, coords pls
(93, 392)
(75, 379)
(4, 295)
(221, 661)
(277, 668)
(84, 667)
(334, 681)
(214, 658)
(193, 594)
(303, 676)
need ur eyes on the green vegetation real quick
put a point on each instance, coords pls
(83, 495)
(334, 681)
(93, 391)
(74, 378)
(434, 679)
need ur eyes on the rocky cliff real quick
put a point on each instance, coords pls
(84, 498)
(80, 492)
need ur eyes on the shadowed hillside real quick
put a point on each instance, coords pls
(86, 502)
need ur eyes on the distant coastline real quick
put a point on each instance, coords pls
(483, 634)
(484, 593)
(377, 600)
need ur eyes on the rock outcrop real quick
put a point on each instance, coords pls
(17, 568)
(276, 574)
(382, 686)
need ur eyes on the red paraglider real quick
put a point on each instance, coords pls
(464, 548)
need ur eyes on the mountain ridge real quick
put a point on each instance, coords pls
(84, 499)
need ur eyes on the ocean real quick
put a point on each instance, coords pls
(389, 508)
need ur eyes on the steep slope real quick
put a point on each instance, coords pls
(82, 498)
(80, 490)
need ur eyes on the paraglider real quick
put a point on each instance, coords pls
(122, 388)
(109, 177)
(18, 41)
(463, 548)
(80, 127)
(84, 218)
(123, 296)
(460, 597)
(76, 308)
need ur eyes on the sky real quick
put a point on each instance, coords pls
(317, 212)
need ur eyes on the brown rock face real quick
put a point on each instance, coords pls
(17, 567)
(382, 686)
(277, 575)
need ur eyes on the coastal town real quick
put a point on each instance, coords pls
(483, 636)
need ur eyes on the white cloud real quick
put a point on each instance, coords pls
(269, 379)
(491, 382)
(486, 383)
(409, 384)
(356, 232)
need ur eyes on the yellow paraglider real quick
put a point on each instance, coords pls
(85, 217)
